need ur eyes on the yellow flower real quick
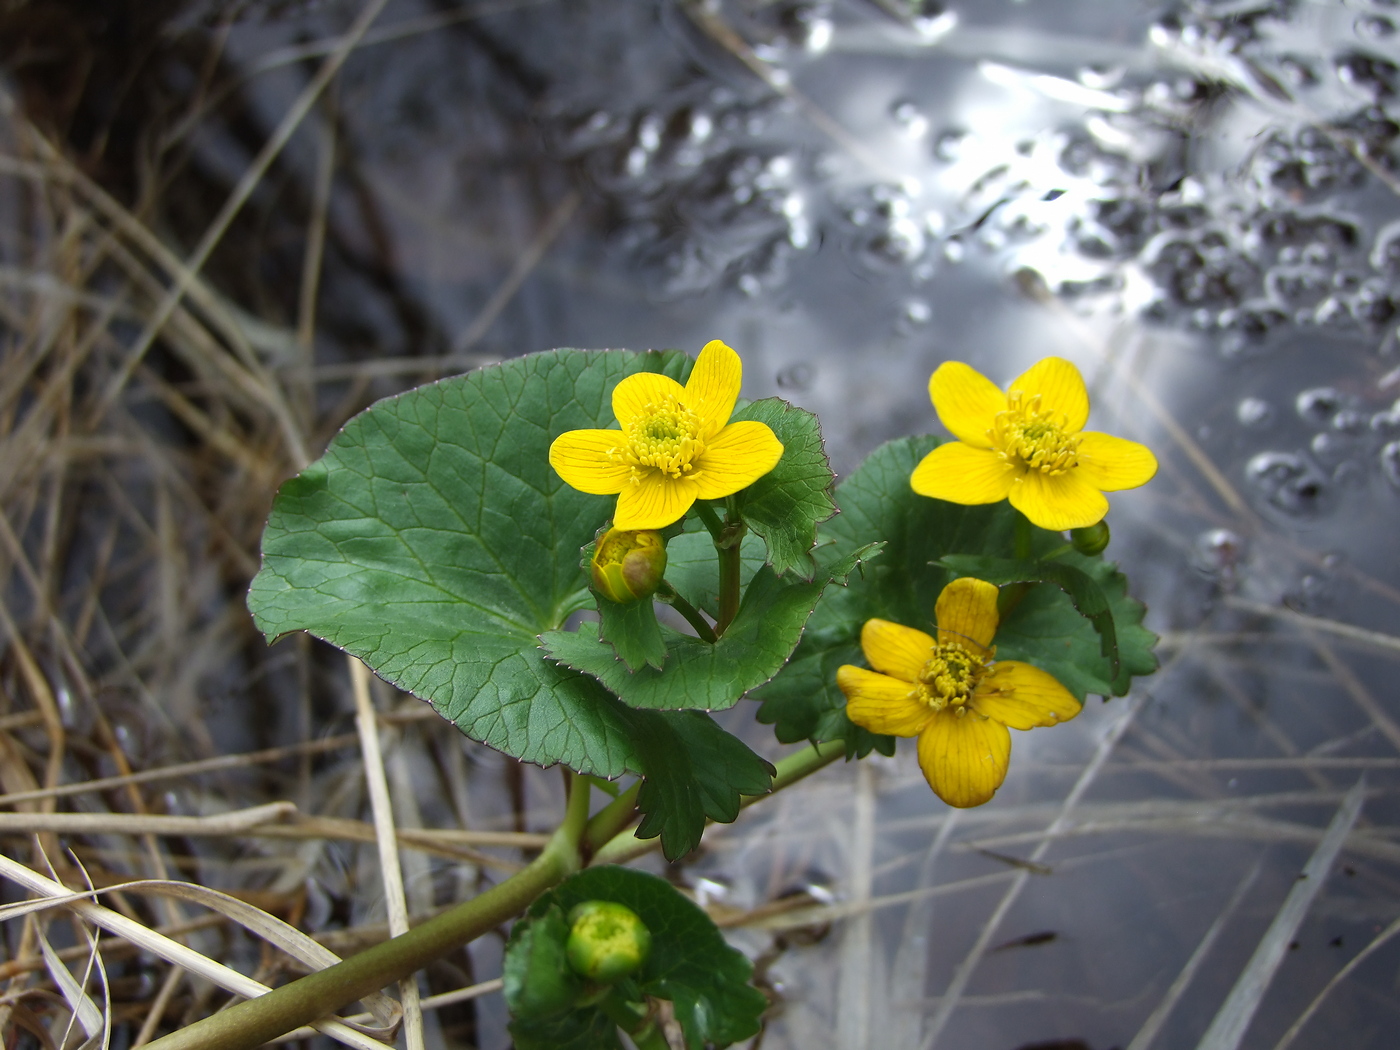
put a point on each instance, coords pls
(674, 446)
(951, 694)
(1028, 445)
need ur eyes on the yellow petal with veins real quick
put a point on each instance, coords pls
(880, 703)
(1023, 697)
(967, 402)
(735, 458)
(1061, 389)
(1113, 463)
(1058, 501)
(960, 473)
(964, 757)
(713, 386)
(966, 612)
(580, 457)
(654, 502)
(632, 395)
(894, 649)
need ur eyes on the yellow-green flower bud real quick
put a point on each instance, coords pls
(1091, 540)
(628, 566)
(606, 941)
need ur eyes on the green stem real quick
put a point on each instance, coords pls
(611, 819)
(1023, 536)
(251, 1023)
(1063, 548)
(671, 597)
(707, 515)
(730, 583)
(625, 845)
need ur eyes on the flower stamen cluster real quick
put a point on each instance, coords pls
(665, 437)
(1031, 439)
(949, 677)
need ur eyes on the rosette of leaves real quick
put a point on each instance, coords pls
(434, 542)
(1062, 611)
(689, 964)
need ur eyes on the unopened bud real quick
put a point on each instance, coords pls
(606, 941)
(1091, 540)
(628, 566)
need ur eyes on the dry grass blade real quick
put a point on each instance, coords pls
(167, 949)
(1227, 1030)
(1159, 1015)
(390, 873)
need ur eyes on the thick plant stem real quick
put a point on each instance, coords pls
(730, 577)
(625, 845)
(250, 1024)
(609, 820)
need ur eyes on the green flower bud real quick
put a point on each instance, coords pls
(1091, 540)
(607, 941)
(628, 566)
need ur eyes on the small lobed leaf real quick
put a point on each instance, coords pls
(536, 978)
(690, 964)
(699, 772)
(786, 504)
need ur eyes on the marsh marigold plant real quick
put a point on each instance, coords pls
(1027, 445)
(675, 444)
(952, 693)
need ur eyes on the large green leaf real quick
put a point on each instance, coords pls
(785, 505)
(702, 675)
(690, 964)
(434, 541)
(1044, 628)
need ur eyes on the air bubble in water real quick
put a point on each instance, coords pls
(1218, 552)
(918, 311)
(1254, 412)
(1288, 481)
(913, 123)
(796, 377)
(1320, 404)
(1390, 462)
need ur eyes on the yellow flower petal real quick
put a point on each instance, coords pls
(880, 703)
(1058, 501)
(580, 457)
(632, 395)
(960, 473)
(738, 456)
(967, 612)
(964, 757)
(1023, 697)
(1112, 463)
(713, 387)
(654, 502)
(895, 650)
(966, 401)
(1061, 389)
